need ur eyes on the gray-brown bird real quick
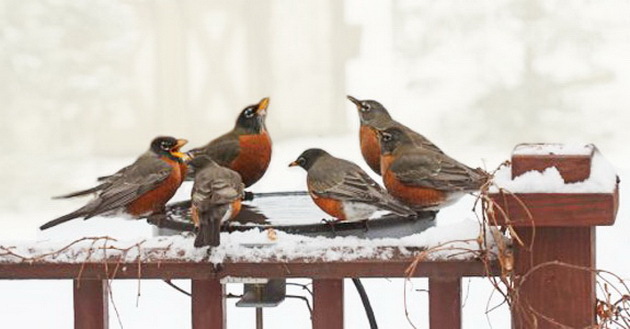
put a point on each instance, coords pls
(216, 199)
(374, 117)
(139, 190)
(343, 190)
(245, 149)
(421, 178)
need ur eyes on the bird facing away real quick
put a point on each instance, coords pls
(245, 149)
(343, 190)
(140, 189)
(216, 199)
(374, 117)
(421, 178)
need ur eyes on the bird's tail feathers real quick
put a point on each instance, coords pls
(209, 228)
(81, 193)
(63, 219)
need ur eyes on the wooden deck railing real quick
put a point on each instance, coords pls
(562, 228)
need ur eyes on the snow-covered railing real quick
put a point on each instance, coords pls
(553, 213)
(554, 196)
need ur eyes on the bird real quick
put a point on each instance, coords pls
(245, 149)
(343, 190)
(216, 198)
(373, 116)
(140, 189)
(421, 178)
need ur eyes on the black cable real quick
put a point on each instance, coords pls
(366, 303)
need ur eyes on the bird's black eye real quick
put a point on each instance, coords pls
(166, 146)
(386, 137)
(301, 161)
(365, 107)
(249, 112)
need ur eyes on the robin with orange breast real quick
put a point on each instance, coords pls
(141, 189)
(246, 149)
(216, 199)
(343, 190)
(421, 178)
(375, 117)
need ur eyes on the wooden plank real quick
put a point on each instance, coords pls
(172, 269)
(91, 304)
(572, 168)
(557, 209)
(328, 304)
(445, 302)
(560, 294)
(208, 304)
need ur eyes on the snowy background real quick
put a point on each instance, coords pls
(87, 84)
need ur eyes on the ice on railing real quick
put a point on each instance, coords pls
(603, 178)
(454, 241)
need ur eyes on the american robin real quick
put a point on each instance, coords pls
(216, 198)
(141, 189)
(375, 117)
(246, 149)
(421, 178)
(343, 190)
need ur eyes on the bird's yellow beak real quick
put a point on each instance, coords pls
(355, 101)
(262, 106)
(293, 164)
(175, 150)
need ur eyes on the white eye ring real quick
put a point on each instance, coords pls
(249, 113)
(365, 107)
(386, 137)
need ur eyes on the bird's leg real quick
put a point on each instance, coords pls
(156, 219)
(365, 223)
(331, 223)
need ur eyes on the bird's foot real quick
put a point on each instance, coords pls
(331, 223)
(156, 219)
(366, 224)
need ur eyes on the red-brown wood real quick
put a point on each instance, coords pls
(445, 300)
(174, 269)
(328, 304)
(572, 167)
(556, 209)
(91, 304)
(208, 304)
(563, 294)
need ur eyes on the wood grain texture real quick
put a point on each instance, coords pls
(91, 304)
(445, 300)
(208, 304)
(563, 294)
(328, 304)
(556, 209)
(171, 269)
(572, 168)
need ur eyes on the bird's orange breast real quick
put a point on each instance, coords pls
(370, 148)
(154, 200)
(236, 208)
(330, 206)
(414, 196)
(253, 158)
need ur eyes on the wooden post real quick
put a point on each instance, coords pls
(91, 304)
(561, 230)
(208, 304)
(445, 303)
(328, 304)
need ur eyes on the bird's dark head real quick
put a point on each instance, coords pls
(392, 138)
(308, 158)
(370, 112)
(252, 118)
(170, 147)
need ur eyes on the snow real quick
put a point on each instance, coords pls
(253, 246)
(556, 149)
(603, 179)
